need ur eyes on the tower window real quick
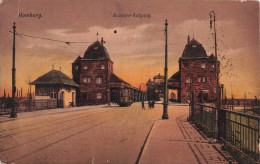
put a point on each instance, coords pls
(99, 95)
(76, 67)
(213, 66)
(96, 47)
(85, 80)
(89, 79)
(99, 80)
(203, 79)
(188, 80)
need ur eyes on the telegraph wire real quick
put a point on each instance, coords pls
(49, 39)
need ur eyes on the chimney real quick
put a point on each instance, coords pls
(188, 40)
(102, 41)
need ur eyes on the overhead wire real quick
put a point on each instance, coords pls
(43, 38)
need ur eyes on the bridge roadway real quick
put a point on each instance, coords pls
(102, 134)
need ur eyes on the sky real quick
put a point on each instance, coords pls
(137, 49)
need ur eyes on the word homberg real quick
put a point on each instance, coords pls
(29, 15)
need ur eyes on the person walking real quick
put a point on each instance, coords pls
(150, 104)
(143, 107)
(153, 102)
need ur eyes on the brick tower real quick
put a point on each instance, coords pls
(92, 72)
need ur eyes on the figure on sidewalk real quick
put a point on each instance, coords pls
(143, 107)
(153, 102)
(150, 104)
(255, 101)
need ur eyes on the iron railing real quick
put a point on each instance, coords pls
(204, 117)
(237, 130)
(242, 132)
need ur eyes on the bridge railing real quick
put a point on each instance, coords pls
(238, 131)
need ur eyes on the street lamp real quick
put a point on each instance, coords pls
(13, 112)
(165, 103)
(212, 15)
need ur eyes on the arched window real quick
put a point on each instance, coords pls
(99, 96)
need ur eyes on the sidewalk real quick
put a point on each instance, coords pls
(22, 115)
(177, 141)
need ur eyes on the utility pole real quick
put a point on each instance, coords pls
(218, 117)
(165, 103)
(212, 13)
(13, 112)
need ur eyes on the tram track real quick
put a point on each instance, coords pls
(62, 130)
(51, 137)
(61, 127)
(43, 122)
(53, 123)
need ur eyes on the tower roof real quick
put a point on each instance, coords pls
(96, 51)
(194, 49)
(54, 77)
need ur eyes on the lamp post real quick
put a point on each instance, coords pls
(13, 112)
(212, 15)
(165, 103)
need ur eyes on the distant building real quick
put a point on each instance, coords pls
(94, 74)
(155, 88)
(196, 75)
(56, 85)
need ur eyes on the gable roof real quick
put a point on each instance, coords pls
(54, 77)
(117, 79)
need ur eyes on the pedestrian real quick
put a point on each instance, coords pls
(150, 104)
(143, 107)
(153, 102)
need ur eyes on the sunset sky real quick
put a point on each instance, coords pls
(137, 49)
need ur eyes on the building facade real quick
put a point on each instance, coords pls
(94, 74)
(197, 74)
(155, 88)
(56, 85)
